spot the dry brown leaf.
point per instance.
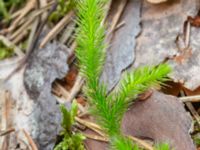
(161, 25)
(194, 21)
(161, 118)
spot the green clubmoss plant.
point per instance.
(70, 139)
(162, 146)
(108, 109)
(64, 6)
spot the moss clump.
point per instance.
(64, 6)
(5, 51)
(70, 140)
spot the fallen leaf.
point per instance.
(161, 24)
(194, 21)
(161, 118)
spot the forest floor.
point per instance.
(38, 71)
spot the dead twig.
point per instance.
(116, 19)
(195, 98)
(2, 133)
(29, 6)
(141, 143)
(76, 88)
(30, 140)
(8, 43)
(95, 137)
(192, 110)
(93, 126)
(5, 121)
(57, 28)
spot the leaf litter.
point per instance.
(140, 33)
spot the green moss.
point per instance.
(5, 52)
(5, 5)
(162, 146)
(70, 140)
(110, 109)
(64, 6)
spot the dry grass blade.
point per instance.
(42, 4)
(88, 123)
(141, 143)
(116, 18)
(30, 140)
(29, 6)
(91, 126)
(95, 128)
(195, 98)
(57, 28)
(2, 133)
(23, 28)
(95, 137)
(60, 90)
(192, 109)
(76, 88)
(10, 44)
(67, 32)
(5, 121)
(32, 34)
(20, 37)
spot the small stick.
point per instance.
(91, 126)
(63, 91)
(24, 27)
(29, 6)
(195, 98)
(31, 48)
(30, 140)
(5, 121)
(187, 34)
(87, 123)
(17, 13)
(76, 88)
(8, 43)
(33, 31)
(2, 133)
(20, 37)
(95, 137)
(141, 143)
(67, 32)
(116, 19)
(192, 109)
(57, 29)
